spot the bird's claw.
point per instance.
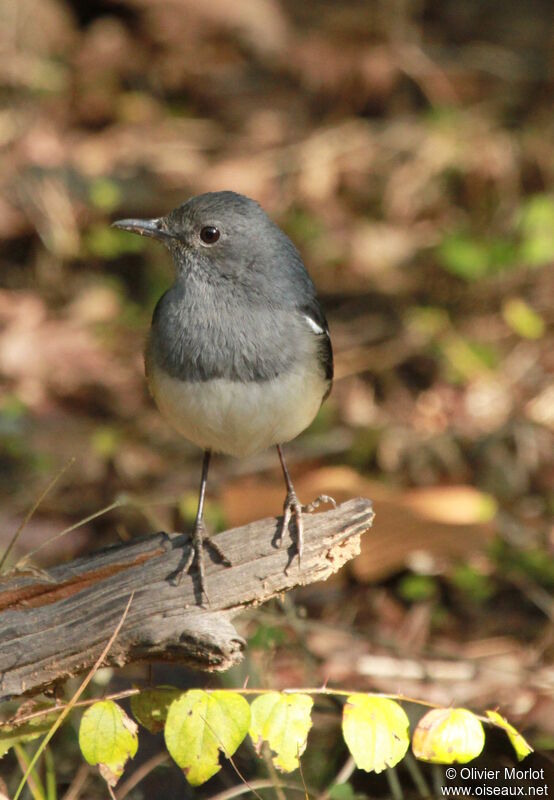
(292, 506)
(200, 540)
(322, 498)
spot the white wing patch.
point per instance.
(317, 329)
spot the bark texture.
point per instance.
(52, 629)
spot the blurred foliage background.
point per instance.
(407, 147)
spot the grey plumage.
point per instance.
(209, 333)
(236, 310)
(239, 356)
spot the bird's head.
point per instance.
(222, 236)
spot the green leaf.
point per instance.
(472, 258)
(283, 721)
(150, 706)
(522, 319)
(448, 736)
(463, 256)
(467, 359)
(108, 737)
(105, 194)
(519, 744)
(472, 582)
(266, 637)
(110, 243)
(536, 225)
(415, 588)
(199, 724)
(537, 213)
(376, 731)
(105, 441)
(13, 734)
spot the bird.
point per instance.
(238, 357)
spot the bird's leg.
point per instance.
(292, 506)
(200, 536)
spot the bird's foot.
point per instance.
(322, 498)
(293, 507)
(200, 540)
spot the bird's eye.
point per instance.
(209, 234)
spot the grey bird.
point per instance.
(239, 356)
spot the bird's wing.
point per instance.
(315, 320)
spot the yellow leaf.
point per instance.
(519, 744)
(376, 731)
(283, 721)
(108, 737)
(522, 319)
(448, 736)
(199, 725)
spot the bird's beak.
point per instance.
(145, 227)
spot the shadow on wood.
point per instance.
(52, 630)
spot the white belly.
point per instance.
(236, 418)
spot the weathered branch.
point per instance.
(51, 630)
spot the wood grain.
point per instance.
(52, 629)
